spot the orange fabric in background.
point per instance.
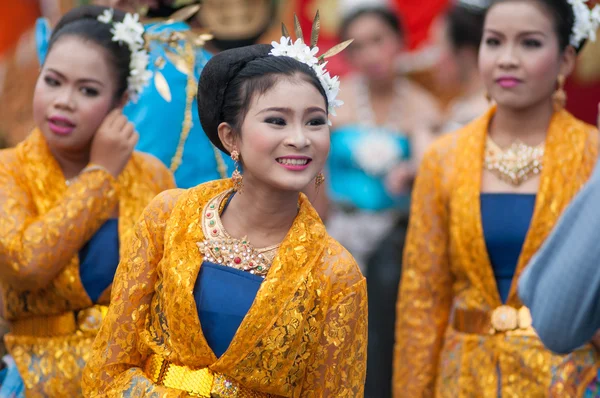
(16, 18)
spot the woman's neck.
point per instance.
(262, 214)
(529, 125)
(71, 163)
(383, 88)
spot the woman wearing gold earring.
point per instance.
(229, 294)
(485, 199)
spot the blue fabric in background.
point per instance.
(349, 183)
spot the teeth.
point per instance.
(293, 162)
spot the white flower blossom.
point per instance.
(130, 32)
(281, 48)
(107, 16)
(586, 22)
(301, 52)
(377, 153)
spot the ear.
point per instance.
(227, 136)
(567, 61)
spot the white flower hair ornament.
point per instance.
(130, 32)
(306, 54)
(586, 22)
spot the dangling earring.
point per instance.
(319, 180)
(236, 176)
(488, 97)
(559, 98)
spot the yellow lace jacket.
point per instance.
(43, 225)
(304, 336)
(446, 267)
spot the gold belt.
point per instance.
(87, 320)
(202, 383)
(503, 319)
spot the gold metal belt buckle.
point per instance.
(506, 318)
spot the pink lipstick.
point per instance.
(508, 82)
(294, 163)
(61, 125)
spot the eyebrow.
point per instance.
(527, 32)
(289, 110)
(88, 80)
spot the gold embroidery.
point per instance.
(446, 268)
(222, 249)
(304, 336)
(43, 225)
(516, 164)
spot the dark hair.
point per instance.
(256, 78)
(232, 78)
(564, 19)
(82, 22)
(384, 14)
(465, 26)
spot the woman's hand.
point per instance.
(114, 142)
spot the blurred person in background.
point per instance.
(69, 195)
(485, 199)
(372, 134)
(18, 66)
(457, 35)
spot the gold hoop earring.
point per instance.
(319, 180)
(559, 98)
(236, 176)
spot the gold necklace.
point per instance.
(220, 248)
(516, 164)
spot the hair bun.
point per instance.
(215, 77)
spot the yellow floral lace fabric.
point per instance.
(304, 336)
(43, 225)
(446, 266)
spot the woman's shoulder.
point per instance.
(339, 265)
(8, 156)
(151, 167)
(9, 161)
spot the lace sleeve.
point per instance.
(339, 360)
(115, 368)
(425, 294)
(35, 248)
(158, 172)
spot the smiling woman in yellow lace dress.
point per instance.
(486, 198)
(234, 288)
(69, 196)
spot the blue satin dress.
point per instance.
(160, 122)
(505, 218)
